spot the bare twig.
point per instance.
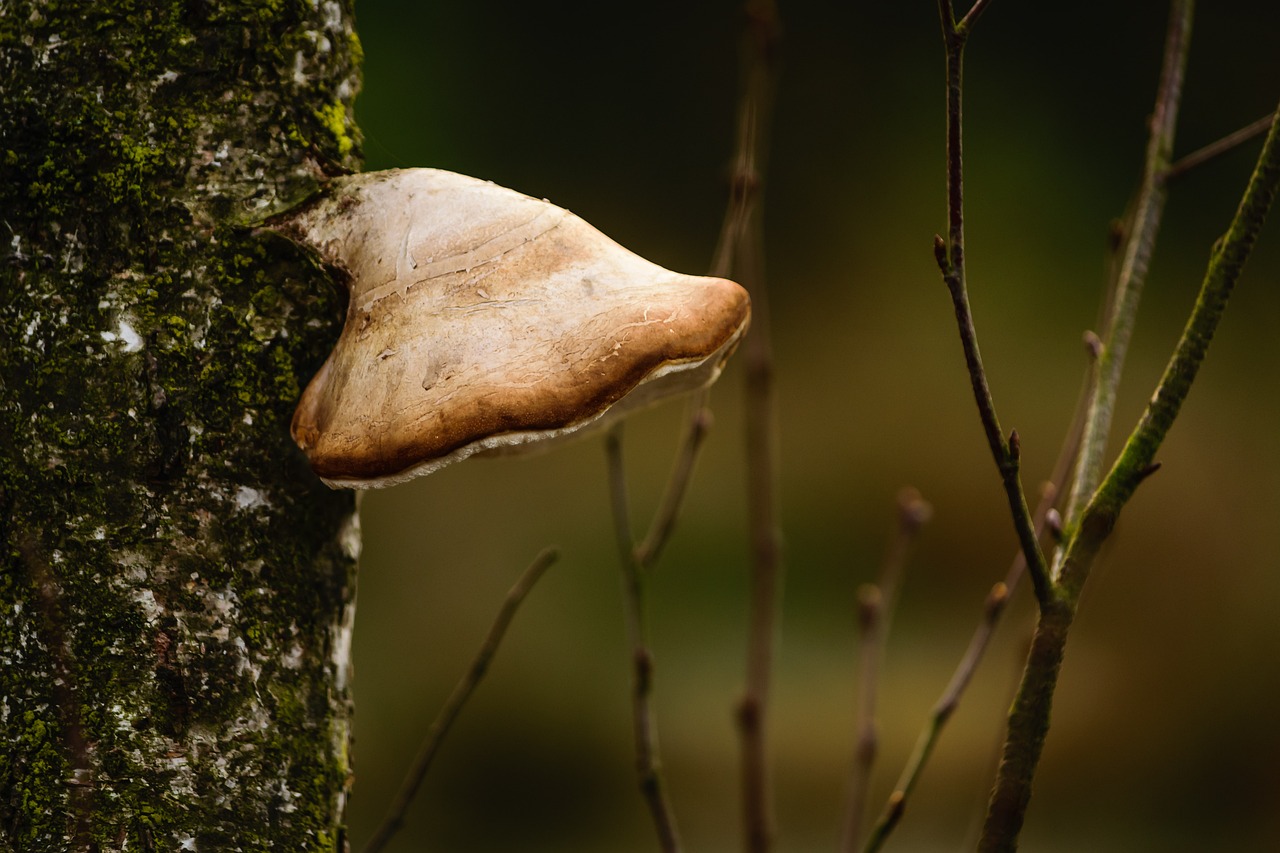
(950, 256)
(453, 706)
(742, 250)
(1137, 459)
(992, 609)
(762, 515)
(1138, 242)
(1216, 149)
(736, 250)
(875, 610)
(648, 765)
(972, 15)
(664, 520)
(1029, 719)
(735, 229)
(736, 253)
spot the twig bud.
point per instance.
(996, 600)
(896, 805)
(940, 253)
(1116, 233)
(869, 604)
(913, 510)
(1093, 344)
(1053, 521)
(1015, 446)
(704, 420)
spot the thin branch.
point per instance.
(739, 240)
(1000, 593)
(1138, 243)
(948, 16)
(461, 693)
(971, 17)
(762, 513)
(875, 610)
(648, 765)
(950, 257)
(1029, 719)
(735, 249)
(745, 254)
(735, 229)
(992, 609)
(664, 519)
(1137, 460)
(1216, 149)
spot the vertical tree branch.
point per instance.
(992, 609)
(745, 254)
(1137, 458)
(876, 604)
(737, 253)
(951, 261)
(664, 519)
(1138, 242)
(1027, 727)
(648, 765)
(1029, 719)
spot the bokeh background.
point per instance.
(1165, 730)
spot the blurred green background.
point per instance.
(1165, 732)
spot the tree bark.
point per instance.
(177, 589)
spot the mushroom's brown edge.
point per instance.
(575, 406)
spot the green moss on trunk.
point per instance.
(177, 588)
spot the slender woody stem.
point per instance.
(646, 736)
(1029, 719)
(1137, 459)
(741, 249)
(664, 519)
(1027, 727)
(992, 609)
(1216, 149)
(762, 514)
(875, 611)
(738, 248)
(453, 706)
(1028, 722)
(950, 257)
(1138, 243)
(972, 15)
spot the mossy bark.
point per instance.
(177, 588)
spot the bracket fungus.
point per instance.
(482, 320)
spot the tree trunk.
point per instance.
(177, 589)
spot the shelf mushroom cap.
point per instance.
(482, 320)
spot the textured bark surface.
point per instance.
(177, 588)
